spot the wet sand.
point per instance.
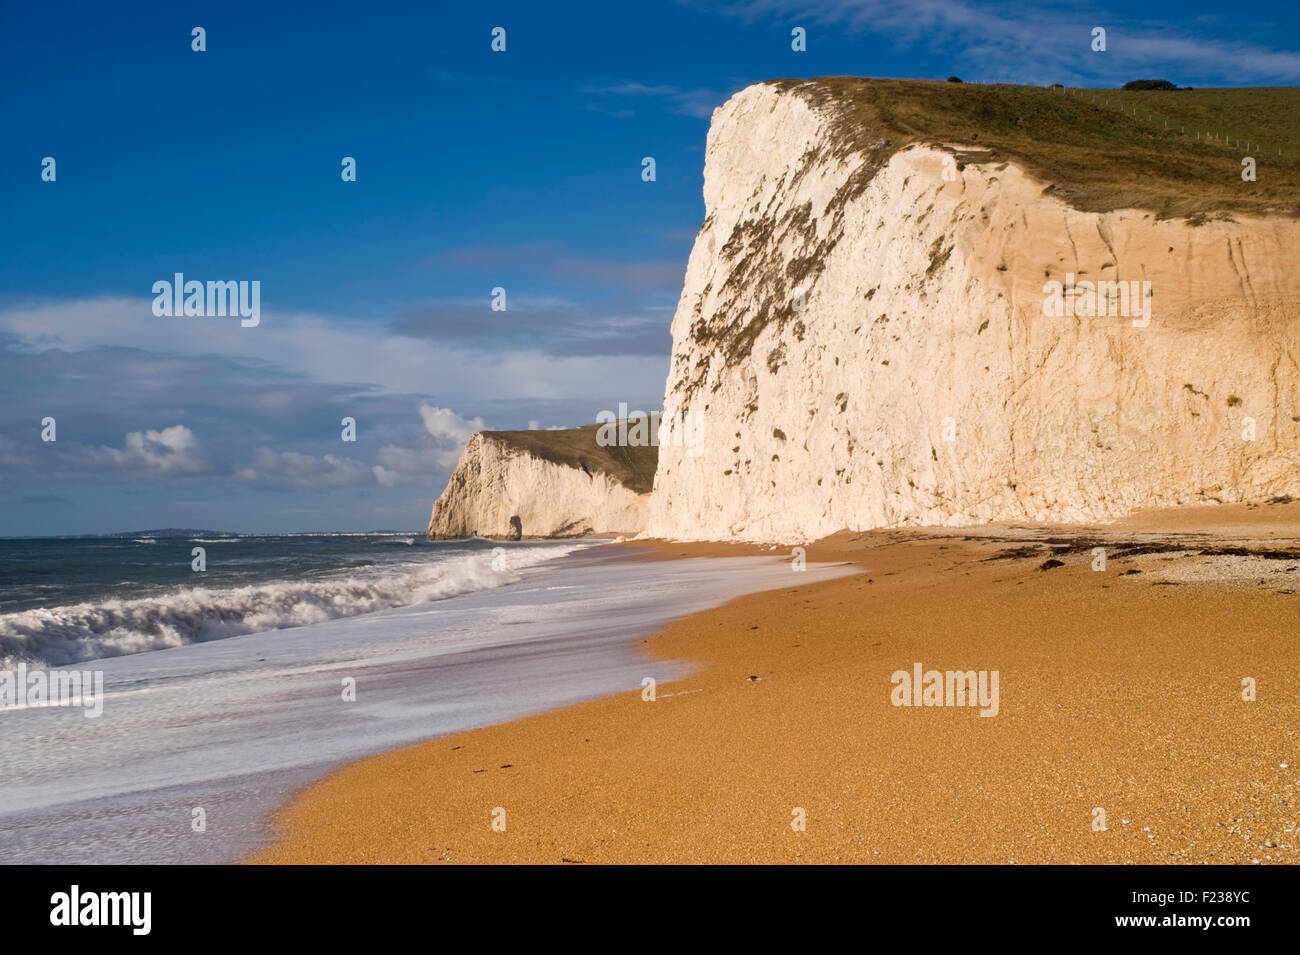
(1119, 690)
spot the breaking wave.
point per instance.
(61, 636)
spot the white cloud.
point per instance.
(290, 469)
(398, 465)
(447, 432)
(445, 435)
(330, 349)
(173, 450)
(176, 451)
(445, 424)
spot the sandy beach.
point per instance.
(1120, 691)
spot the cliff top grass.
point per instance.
(1098, 149)
(633, 467)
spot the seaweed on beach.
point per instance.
(1265, 553)
(1018, 553)
(1139, 549)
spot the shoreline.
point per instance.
(235, 726)
(1121, 690)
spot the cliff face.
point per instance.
(864, 340)
(541, 484)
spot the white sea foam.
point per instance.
(235, 725)
(60, 636)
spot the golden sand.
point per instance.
(1118, 691)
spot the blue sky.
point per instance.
(475, 170)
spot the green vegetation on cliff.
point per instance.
(1173, 152)
(633, 467)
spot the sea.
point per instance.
(68, 600)
(227, 690)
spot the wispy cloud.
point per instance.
(625, 310)
(360, 357)
(622, 112)
(699, 103)
(1002, 42)
(142, 401)
(172, 451)
(553, 260)
(564, 329)
(445, 434)
(292, 469)
(44, 499)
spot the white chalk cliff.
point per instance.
(923, 301)
(500, 489)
